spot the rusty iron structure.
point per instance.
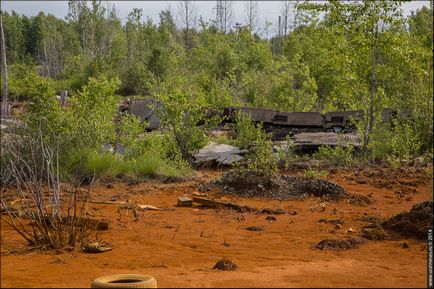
(277, 122)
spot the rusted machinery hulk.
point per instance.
(143, 109)
(280, 123)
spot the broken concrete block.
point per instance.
(185, 202)
(215, 153)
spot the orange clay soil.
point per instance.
(180, 247)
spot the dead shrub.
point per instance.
(43, 214)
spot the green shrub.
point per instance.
(186, 122)
(405, 144)
(261, 159)
(245, 129)
(338, 156)
(287, 155)
(315, 173)
(138, 80)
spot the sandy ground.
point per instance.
(180, 247)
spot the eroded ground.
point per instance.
(180, 247)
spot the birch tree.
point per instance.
(188, 19)
(251, 10)
(5, 105)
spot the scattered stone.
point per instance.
(109, 186)
(333, 222)
(335, 244)
(350, 230)
(359, 200)
(171, 180)
(225, 265)
(255, 229)
(405, 245)
(185, 202)
(338, 226)
(95, 248)
(278, 211)
(271, 218)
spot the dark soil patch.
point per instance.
(335, 244)
(225, 265)
(414, 223)
(280, 187)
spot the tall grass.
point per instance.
(87, 163)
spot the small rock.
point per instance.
(405, 245)
(95, 248)
(109, 186)
(185, 202)
(225, 265)
(271, 218)
(254, 228)
(338, 226)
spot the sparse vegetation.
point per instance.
(315, 173)
(337, 156)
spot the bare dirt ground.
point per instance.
(180, 247)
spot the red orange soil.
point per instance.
(180, 247)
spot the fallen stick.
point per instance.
(106, 202)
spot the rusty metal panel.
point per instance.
(260, 114)
(145, 111)
(342, 117)
(298, 118)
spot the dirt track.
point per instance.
(180, 247)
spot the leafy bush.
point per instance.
(288, 155)
(338, 156)
(245, 129)
(405, 144)
(315, 173)
(93, 111)
(380, 145)
(138, 80)
(261, 159)
(186, 123)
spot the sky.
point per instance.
(268, 10)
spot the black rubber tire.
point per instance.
(134, 281)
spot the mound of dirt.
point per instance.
(225, 265)
(374, 234)
(414, 223)
(252, 184)
(335, 244)
(402, 182)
